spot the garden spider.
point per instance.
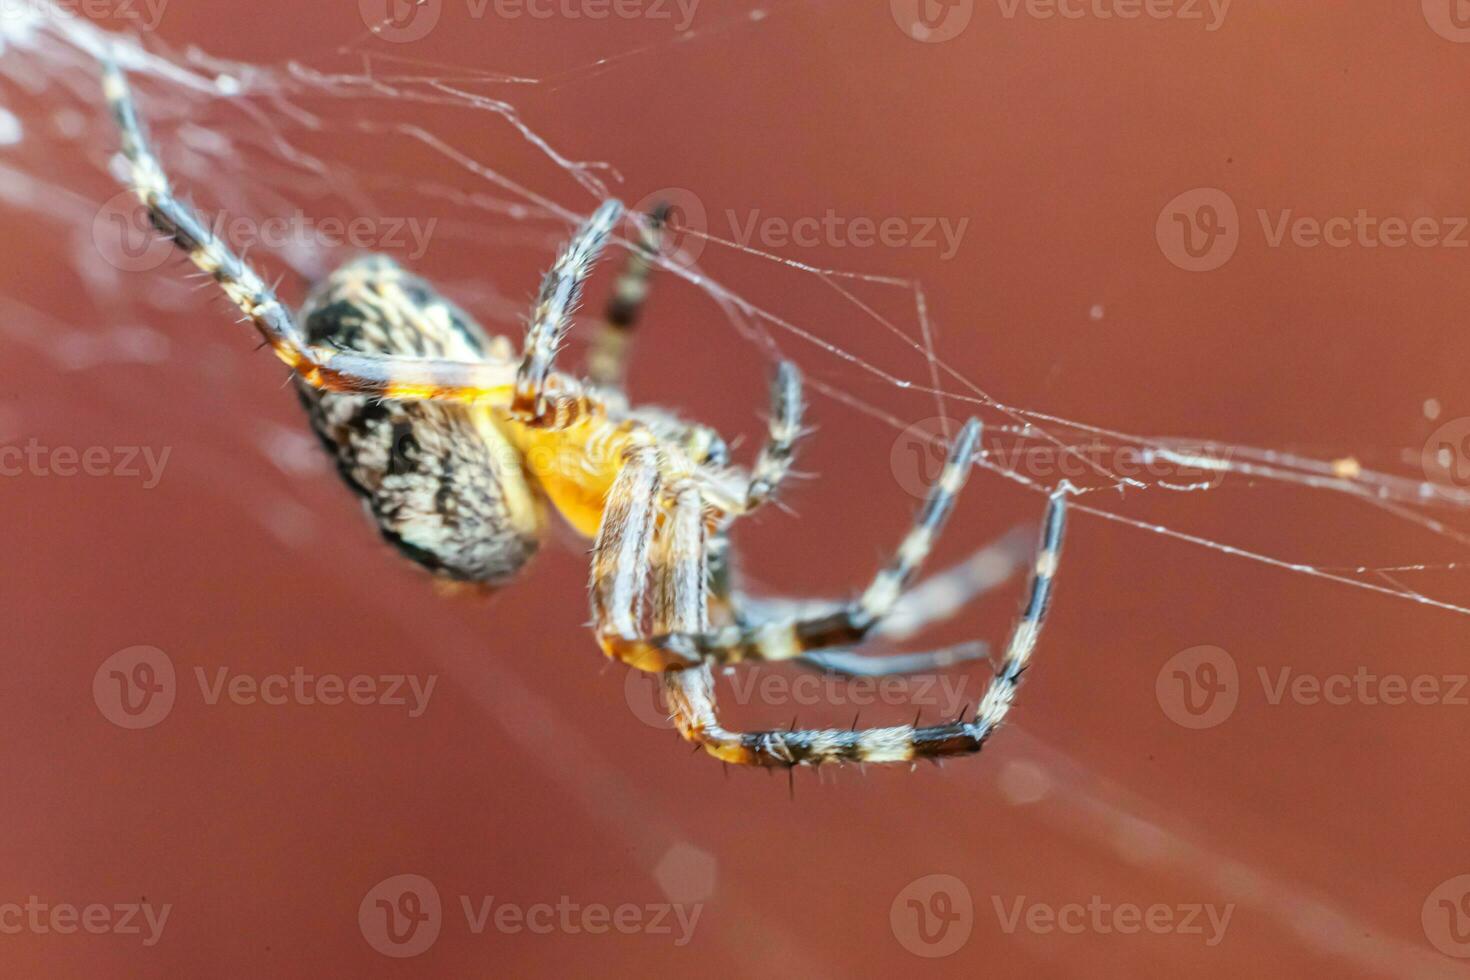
(456, 444)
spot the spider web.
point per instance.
(52, 53)
(272, 113)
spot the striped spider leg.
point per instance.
(460, 487)
(933, 600)
(941, 596)
(527, 389)
(846, 626)
(607, 360)
(685, 647)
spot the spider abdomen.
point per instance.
(441, 481)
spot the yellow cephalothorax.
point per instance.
(574, 467)
(457, 442)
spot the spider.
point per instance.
(457, 445)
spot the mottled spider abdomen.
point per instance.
(440, 479)
(398, 384)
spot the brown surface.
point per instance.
(529, 777)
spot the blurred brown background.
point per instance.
(533, 774)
